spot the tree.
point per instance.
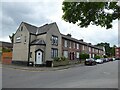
(113, 50)
(86, 13)
(109, 51)
(6, 50)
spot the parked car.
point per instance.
(90, 61)
(113, 59)
(107, 59)
(104, 60)
(117, 58)
(99, 61)
(110, 59)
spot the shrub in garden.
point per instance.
(63, 58)
(97, 57)
(56, 59)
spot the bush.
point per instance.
(63, 58)
(56, 59)
(60, 61)
(97, 57)
(84, 56)
(60, 58)
(6, 50)
(105, 56)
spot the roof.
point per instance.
(45, 28)
(38, 30)
(78, 41)
(6, 44)
(38, 42)
(73, 39)
(31, 28)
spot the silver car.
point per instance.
(99, 61)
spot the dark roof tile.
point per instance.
(31, 28)
(38, 30)
(78, 41)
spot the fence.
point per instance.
(6, 57)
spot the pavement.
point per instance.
(29, 68)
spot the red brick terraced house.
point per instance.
(71, 48)
(117, 52)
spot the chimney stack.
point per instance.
(69, 35)
(81, 40)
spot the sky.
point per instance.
(40, 12)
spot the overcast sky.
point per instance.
(40, 12)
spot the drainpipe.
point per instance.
(29, 49)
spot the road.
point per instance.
(98, 76)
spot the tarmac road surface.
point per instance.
(98, 76)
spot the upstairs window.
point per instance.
(54, 40)
(65, 43)
(70, 44)
(89, 49)
(117, 50)
(25, 40)
(18, 39)
(83, 47)
(21, 28)
(77, 46)
(73, 45)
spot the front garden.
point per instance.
(60, 61)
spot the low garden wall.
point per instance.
(60, 63)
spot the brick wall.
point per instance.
(6, 58)
(117, 52)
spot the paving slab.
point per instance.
(29, 68)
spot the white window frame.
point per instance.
(70, 44)
(117, 53)
(54, 40)
(89, 49)
(74, 45)
(77, 46)
(77, 54)
(65, 43)
(18, 39)
(65, 54)
(83, 47)
(92, 49)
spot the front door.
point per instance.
(71, 55)
(38, 57)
